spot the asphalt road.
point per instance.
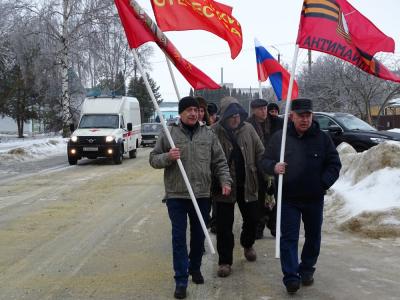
(99, 231)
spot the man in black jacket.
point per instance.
(311, 165)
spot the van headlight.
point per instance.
(74, 138)
(378, 140)
(109, 138)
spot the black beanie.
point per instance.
(186, 102)
(272, 106)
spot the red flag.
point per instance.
(139, 29)
(337, 28)
(205, 15)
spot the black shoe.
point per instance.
(180, 292)
(197, 277)
(292, 287)
(307, 280)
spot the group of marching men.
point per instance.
(232, 159)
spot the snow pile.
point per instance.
(31, 148)
(366, 198)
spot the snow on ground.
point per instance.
(366, 197)
(30, 148)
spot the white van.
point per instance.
(108, 127)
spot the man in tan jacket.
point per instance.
(201, 154)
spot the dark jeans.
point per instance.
(225, 219)
(179, 210)
(311, 212)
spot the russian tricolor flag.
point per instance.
(267, 66)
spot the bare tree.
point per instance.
(339, 86)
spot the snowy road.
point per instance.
(100, 231)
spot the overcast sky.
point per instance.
(273, 23)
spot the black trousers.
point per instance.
(225, 220)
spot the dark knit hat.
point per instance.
(302, 105)
(272, 106)
(212, 108)
(258, 103)
(186, 102)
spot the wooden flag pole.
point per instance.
(282, 154)
(171, 142)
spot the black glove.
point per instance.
(271, 189)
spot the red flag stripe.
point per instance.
(139, 29)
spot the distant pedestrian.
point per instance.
(203, 113)
(201, 155)
(212, 109)
(311, 165)
(276, 122)
(243, 150)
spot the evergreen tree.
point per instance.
(137, 88)
(119, 85)
(19, 95)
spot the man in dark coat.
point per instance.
(260, 121)
(276, 122)
(311, 165)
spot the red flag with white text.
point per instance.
(205, 15)
(139, 29)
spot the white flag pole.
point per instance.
(282, 154)
(171, 142)
(173, 77)
(260, 89)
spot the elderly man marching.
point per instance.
(243, 150)
(201, 154)
(311, 165)
(261, 123)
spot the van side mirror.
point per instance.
(335, 129)
(129, 125)
(72, 127)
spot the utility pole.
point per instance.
(279, 54)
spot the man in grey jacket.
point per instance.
(200, 153)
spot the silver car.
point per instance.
(150, 132)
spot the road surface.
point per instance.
(99, 231)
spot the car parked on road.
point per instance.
(344, 127)
(150, 133)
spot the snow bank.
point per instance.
(366, 198)
(12, 149)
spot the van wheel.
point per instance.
(132, 153)
(118, 157)
(72, 160)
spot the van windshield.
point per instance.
(99, 121)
